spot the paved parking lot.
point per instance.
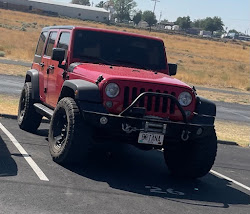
(118, 179)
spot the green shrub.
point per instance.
(2, 54)
(23, 29)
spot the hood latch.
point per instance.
(99, 79)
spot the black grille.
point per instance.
(151, 103)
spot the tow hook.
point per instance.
(185, 135)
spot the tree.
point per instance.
(149, 17)
(82, 2)
(218, 23)
(100, 4)
(233, 31)
(123, 8)
(209, 24)
(164, 21)
(137, 17)
(183, 22)
(197, 23)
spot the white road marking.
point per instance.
(227, 178)
(230, 179)
(26, 156)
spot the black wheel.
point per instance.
(69, 136)
(191, 159)
(28, 119)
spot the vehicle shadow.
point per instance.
(144, 172)
(8, 166)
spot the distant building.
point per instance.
(205, 33)
(143, 24)
(57, 8)
(244, 37)
(176, 27)
(193, 31)
(165, 25)
(230, 36)
(168, 28)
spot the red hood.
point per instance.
(93, 71)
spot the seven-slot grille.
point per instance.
(153, 104)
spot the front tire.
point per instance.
(191, 159)
(69, 136)
(28, 119)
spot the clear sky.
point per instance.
(234, 13)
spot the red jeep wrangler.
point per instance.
(97, 85)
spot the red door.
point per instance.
(55, 76)
(48, 70)
(38, 63)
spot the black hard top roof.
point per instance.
(70, 27)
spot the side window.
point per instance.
(41, 42)
(50, 43)
(64, 41)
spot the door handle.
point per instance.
(41, 64)
(51, 67)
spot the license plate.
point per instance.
(151, 138)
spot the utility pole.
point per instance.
(160, 17)
(155, 5)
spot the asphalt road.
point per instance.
(12, 85)
(118, 180)
(15, 62)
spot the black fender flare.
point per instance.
(83, 90)
(32, 76)
(205, 107)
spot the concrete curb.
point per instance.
(14, 117)
(227, 143)
(9, 116)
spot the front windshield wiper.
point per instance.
(137, 65)
(104, 61)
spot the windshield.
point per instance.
(118, 49)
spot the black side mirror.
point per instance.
(172, 69)
(58, 54)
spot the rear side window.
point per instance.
(64, 42)
(41, 42)
(50, 43)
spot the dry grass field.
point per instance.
(200, 61)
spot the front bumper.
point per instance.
(126, 126)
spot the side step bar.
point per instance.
(43, 110)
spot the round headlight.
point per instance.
(185, 98)
(112, 90)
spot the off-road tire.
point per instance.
(28, 119)
(69, 136)
(191, 159)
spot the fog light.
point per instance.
(109, 104)
(199, 131)
(188, 113)
(104, 120)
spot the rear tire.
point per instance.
(191, 159)
(69, 136)
(28, 119)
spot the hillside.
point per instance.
(201, 62)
